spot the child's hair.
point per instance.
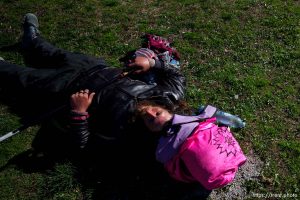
(181, 107)
(140, 105)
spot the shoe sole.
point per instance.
(31, 20)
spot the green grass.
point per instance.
(247, 48)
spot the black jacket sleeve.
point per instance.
(79, 128)
(170, 81)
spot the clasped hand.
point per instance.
(141, 64)
(80, 101)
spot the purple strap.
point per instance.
(181, 128)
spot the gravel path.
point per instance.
(250, 171)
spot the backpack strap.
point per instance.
(206, 113)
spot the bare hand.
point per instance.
(80, 101)
(142, 65)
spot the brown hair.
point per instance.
(140, 105)
(181, 107)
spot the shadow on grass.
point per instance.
(11, 48)
(29, 162)
(103, 170)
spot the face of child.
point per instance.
(155, 117)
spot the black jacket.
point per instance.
(115, 99)
(56, 73)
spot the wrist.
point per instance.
(78, 112)
(151, 62)
(76, 115)
(157, 64)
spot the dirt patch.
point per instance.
(250, 171)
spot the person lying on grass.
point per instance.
(54, 74)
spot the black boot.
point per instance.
(30, 30)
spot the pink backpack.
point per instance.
(210, 156)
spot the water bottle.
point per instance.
(229, 120)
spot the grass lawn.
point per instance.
(240, 56)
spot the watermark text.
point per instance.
(274, 195)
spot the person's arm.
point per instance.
(169, 79)
(140, 64)
(80, 101)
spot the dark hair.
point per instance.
(180, 108)
(143, 103)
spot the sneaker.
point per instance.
(30, 30)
